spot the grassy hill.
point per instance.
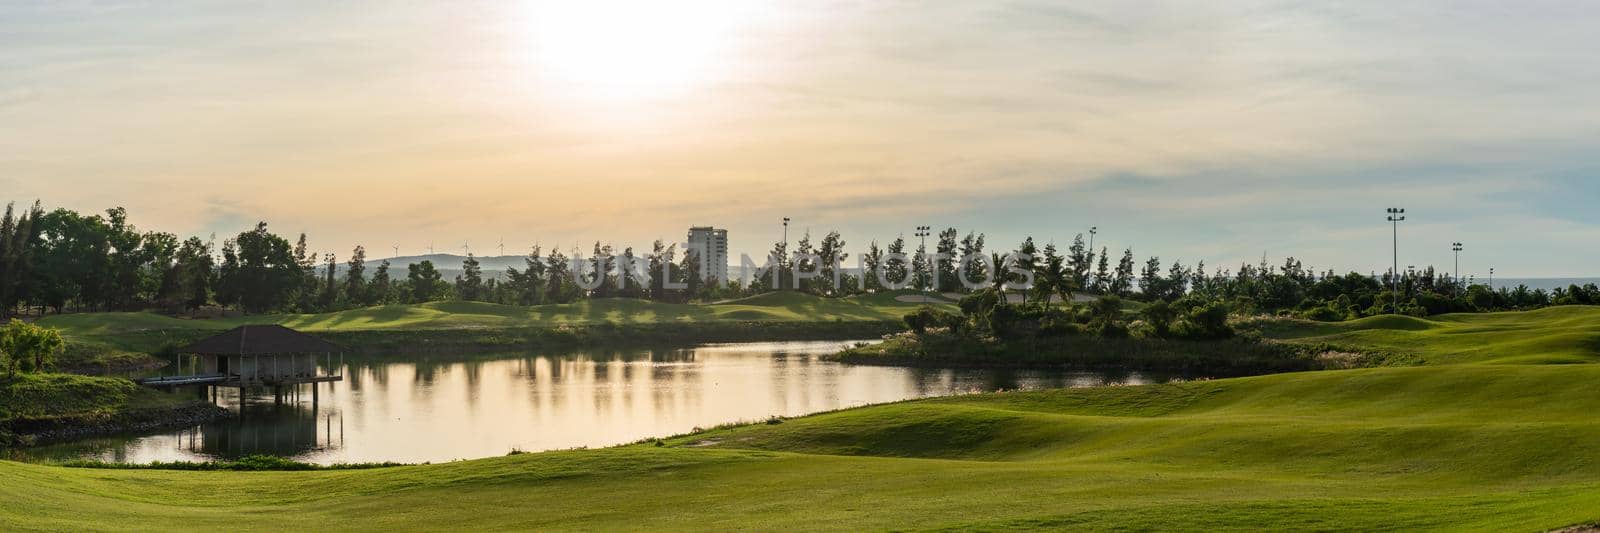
(64, 405)
(781, 306)
(1458, 447)
(121, 339)
(1565, 334)
(1485, 437)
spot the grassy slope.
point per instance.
(122, 339)
(55, 395)
(1465, 446)
(1567, 334)
(1480, 446)
(785, 306)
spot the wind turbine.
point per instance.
(397, 250)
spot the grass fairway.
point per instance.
(770, 307)
(125, 339)
(1494, 443)
(1566, 334)
(1464, 446)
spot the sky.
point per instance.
(1193, 131)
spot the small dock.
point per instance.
(255, 356)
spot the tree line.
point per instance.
(61, 260)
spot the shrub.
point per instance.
(1159, 315)
(926, 317)
(1208, 322)
(28, 347)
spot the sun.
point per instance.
(632, 48)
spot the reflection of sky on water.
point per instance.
(439, 410)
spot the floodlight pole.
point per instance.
(1395, 216)
(785, 250)
(1089, 279)
(922, 233)
(1456, 247)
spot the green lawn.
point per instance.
(781, 306)
(1497, 443)
(1567, 334)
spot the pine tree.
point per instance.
(1150, 283)
(871, 265)
(975, 264)
(355, 281)
(1079, 262)
(379, 288)
(947, 265)
(832, 255)
(1102, 275)
(330, 291)
(898, 270)
(1122, 286)
(469, 285)
(1052, 276)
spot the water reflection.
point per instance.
(441, 409)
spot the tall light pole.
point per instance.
(922, 234)
(1456, 247)
(1089, 279)
(781, 260)
(1395, 216)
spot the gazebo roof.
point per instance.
(260, 340)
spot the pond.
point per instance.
(433, 410)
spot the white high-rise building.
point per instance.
(712, 244)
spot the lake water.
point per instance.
(442, 409)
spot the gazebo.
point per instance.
(264, 355)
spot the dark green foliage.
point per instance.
(424, 280)
(250, 463)
(28, 348)
(927, 317)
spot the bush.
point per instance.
(1159, 315)
(1208, 322)
(29, 348)
(926, 317)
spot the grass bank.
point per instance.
(1209, 358)
(1459, 447)
(100, 341)
(40, 408)
(1482, 439)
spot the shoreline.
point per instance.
(31, 432)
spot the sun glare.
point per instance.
(632, 48)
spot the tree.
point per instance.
(871, 265)
(355, 280)
(379, 289)
(265, 275)
(19, 235)
(1079, 261)
(975, 265)
(425, 281)
(28, 347)
(558, 272)
(897, 268)
(1053, 278)
(946, 265)
(661, 257)
(692, 277)
(469, 285)
(1151, 286)
(195, 270)
(1159, 315)
(1122, 285)
(832, 254)
(524, 287)
(1102, 275)
(330, 291)
(921, 270)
